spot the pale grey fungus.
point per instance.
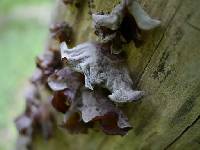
(98, 69)
(95, 105)
(143, 20)
(111, 21)
(115, 18)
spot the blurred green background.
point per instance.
(23, 31)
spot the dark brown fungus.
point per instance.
(59, 102)
(130, 31)
(62, 32)
(82, 108)
(96, 107)
(74, 124)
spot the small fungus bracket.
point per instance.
(123, 24)
(94, 78)
(98, 69)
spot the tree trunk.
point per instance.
(166, 67)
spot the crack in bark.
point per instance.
(182, 133)
(193, 26)
(159, 42)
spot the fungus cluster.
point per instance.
(38, 116)
(92, 77)
(123, 24)
(96, 76)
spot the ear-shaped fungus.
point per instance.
(96, 107)
(87, 91)
(143, 20)
(111, 21)
(98, 69)
(66, 85)
(83, 108)
(114, 19)
(128, 19)
(65, 79)
(62, 32)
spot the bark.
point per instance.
(166, 67)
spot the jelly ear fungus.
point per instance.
(98, 69)
(95, 78)
(123, 24)
(82, 107)
(104, 68)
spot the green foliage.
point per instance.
(20, 42)
(7, 5)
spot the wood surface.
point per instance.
(166, 67)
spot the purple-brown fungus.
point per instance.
(83, 108)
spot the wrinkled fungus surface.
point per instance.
(123, 24)
(90, 81)
(101, 70)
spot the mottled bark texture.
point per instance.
(166, 67)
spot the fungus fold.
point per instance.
(98, 69)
